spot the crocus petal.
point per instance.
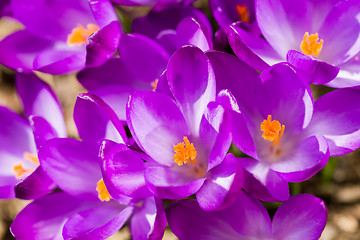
(190, 69)
(348, 76)
(311, 69)
(225, 12)
(223, 182)
(156, 124)
(279, 26)
(262, 182)
(39, 100)
(16, 138)
(307, 154)
(168, 183)
(53, 20)
(341, 33)
(336, 117)
(123, 172)
(191, 32)
(235, 75)
(145, 58)
(148, 222)
(163, 85)
(45, 217)
(7, 184)
(18, 50)
(229, 223)
(113, 72)
(73, 165)
(56, 61)
(102, 44)
(135, 2)
(42, 130)
(252, 49)
(155, 22)
(91, 112)
(103, 12)
(288, 98)
(99, 222)
(36, 185)
(303, 216)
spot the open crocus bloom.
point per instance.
(282, 117)
(323, 37)
(60, 36)
(303, 216)
(186, 138)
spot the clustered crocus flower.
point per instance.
(168, 107)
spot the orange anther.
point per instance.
(79, 34)
(272, 130)
(103, 193)
(243, 12)
(310, 45)
(184, 152)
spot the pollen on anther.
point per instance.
(243, 12)
(184, 152)
(272, 130)
(79, 34)
(20, 171)
(154, 84)
(103, 193)
(310, 44)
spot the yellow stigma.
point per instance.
(243, 12)
(19, 170)
(310, 45)
(79, 35)
(272, 130)
(184, 152)
(103, 193)
(32, 158)
(154, 84)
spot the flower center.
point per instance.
(243, 12)
(184, 153)
(103, 193)
(154, 84)
(20, 170)
(310, 44)
(272, 130)
(79, 34)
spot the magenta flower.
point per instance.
(61, 36)
(292, 137)
(186, 134)
(20, 141)
(303, 216)
(323, 38)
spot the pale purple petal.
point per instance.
(149, 221)
(192, 82)
(103, 12)
(99, 222)
(42, 130)
(44, 218)
(73, 166)
(348, 76)
(91, 112)
(336, 116)
(39, 100)
(303, 216)
(222, 185)
(156, 124)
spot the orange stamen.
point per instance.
(154, 84)
(103, 193)
(310, 45)
(32, 158)
(79, 34)
(19, 171)
(184, 152)
(272, 130)
(243, 12)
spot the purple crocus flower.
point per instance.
(186, 138)
(292, 137)
(20, 164)
(317, 38)
(58, 36)
(86, 209)
(303, 216)
(164, 26)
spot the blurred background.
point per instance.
(338, 184)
